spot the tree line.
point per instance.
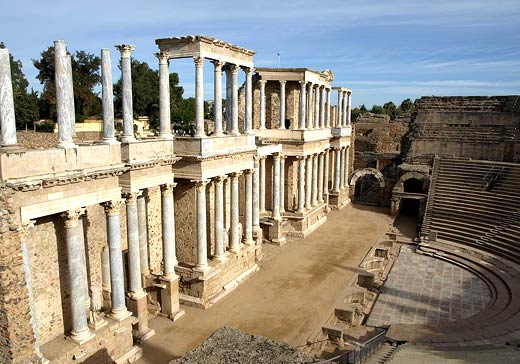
(407, 106)
(31, 105)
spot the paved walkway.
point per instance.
(292, 294)
(424, 290)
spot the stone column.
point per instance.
(80, 331)
(199, 97)
(119, 311)
(317, 107)
(107, 97)
(308, 182)
(301, 183)
(337, 162)
(346, 164)
(234, 100)
(105, 268)
(342, 169)
(219, 218)
(282, 184)
(82, 254)
(7, 118)
(217, 91)
(262, 104)
(165, 129)
(132, 234)
(248, 215)
(202, 240)
(314, 180)
(303, 89)
(320, 177)
(128, 109)
(322, 106)
(276, 187)
(327, 112)
(309, 107)
(349, 107)
(344, 111)
(228, 99)
(168, 230)
(256, 197)
(282, 105)
(326, 177)
(234, 245)
(248, 123)
(261, 191)
(64, 96)
(339, 109)
(142, 221)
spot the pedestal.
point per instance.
(170, 298)
(138, 305)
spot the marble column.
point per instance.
(317, 107)
(276, 187)
(168, 230)
(262, 104)
(234, 100)
(322, 107)
(202, 239)
(217, 92)
(105, 268)
(109, 135)
(199, 97)
(248, 122)
(344, 111)
(142, 221)
(314, 180)
(128, 109)
(165, 128)
(346, 165)
(7, 118)
(80, 330)
(132, 233)
(261, 192)
(339, 110)
(337, 162)
(118, 311)
(234, 245)
(256, 196)
(219, 218)
(248, 215)
(228, 99)
(342, 168)
(349, 107)
(327, 112)
(64, 96)
(326, 177)
(82, 254)
(301, 183)
(282, 184)
(308, 181)
(281, 124)
(310, 99)
(303, 108)
(320, 177)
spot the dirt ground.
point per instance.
(292, 294)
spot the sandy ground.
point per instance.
(292, 294)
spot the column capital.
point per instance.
(200, 185)
(125, 49)
(131, 197)
(262, 82)
(303, 83)
(248, 70)
(219, 180)
(234, 69)
(249, 171)
(282, 82)
(71, 217)
(113, 207)
(167, 189)
(218, 65)
(235, 175)
(277, 156)
(199, 61)
(300, 157)
(321, 86)
(163, 57)
(317, 86)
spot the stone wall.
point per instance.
(186, 222)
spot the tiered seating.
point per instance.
(463, 103)
(460, 210)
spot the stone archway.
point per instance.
(399, 192)
(359, 173)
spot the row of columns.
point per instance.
(278, 185)
(343, 114)
(312, 180)
(341, 169)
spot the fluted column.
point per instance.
(234, 245)
(256, 194)
(344, 112)
(282, 105)
(262, 104)
(262, 185)
(118, 311)
(168, 230)
(301, 183)
(303, 99)
(327, 115)
(276, 187)
(337, 162)
(80, 331)
(132, 234)
(107, 97)
(248, 122)
(165, 129)
(143, 234)
(248, 215)
(310, 99)
(322, 107)
(217, 91)
(342, 168)
(317, 107)
(199, 97)
(234, 100)
(202, 238)
(314, 180)
(320, 177)
(64, 97)
(7, 118)
(128, 109)
(308, 182)
(349, 107)
(339, 118)
(326, 176)
(219, 217)
(282, 184)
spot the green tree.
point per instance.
(406, 106)
(390, 109)
(85, 75)
(363, 108)
(377, 109)
(25, 103)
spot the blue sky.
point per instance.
(382, 50)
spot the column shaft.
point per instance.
(132, 234)
(344, 112)
(248, 215)
(7, 116)
(108, 97)
(303, 99)
(64, 96)
(309, 107)
(219, 217)
(228, 99)
(276, 187)
(128, 109)
(234, 100)
(301, 183)
(202, 240)
(282, 184)
(248, 122)
(235, 233)
(281, 124)
(256, 192)
(199, 97)
(308, 181)
(322, 107)
(217, 91)
(326, 176)
(314, 180)
(339, 110)
(165, 131)
(168, 230)
(349, 107)
(327, 117)
(142, 220)
(262, 104)
(317, 107)
(320, 178)
(345, 178)
(337, 162)
(342, 169)
(262, 185)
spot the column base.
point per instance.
(120, 315)
(128, 139)
(11, 148)
(248, 242)
(66, 145)
(170, 297)
(111, 141)
(81, 337)
(167, 136)
(221, 258)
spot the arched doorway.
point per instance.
(411, 206)
(368, 185)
